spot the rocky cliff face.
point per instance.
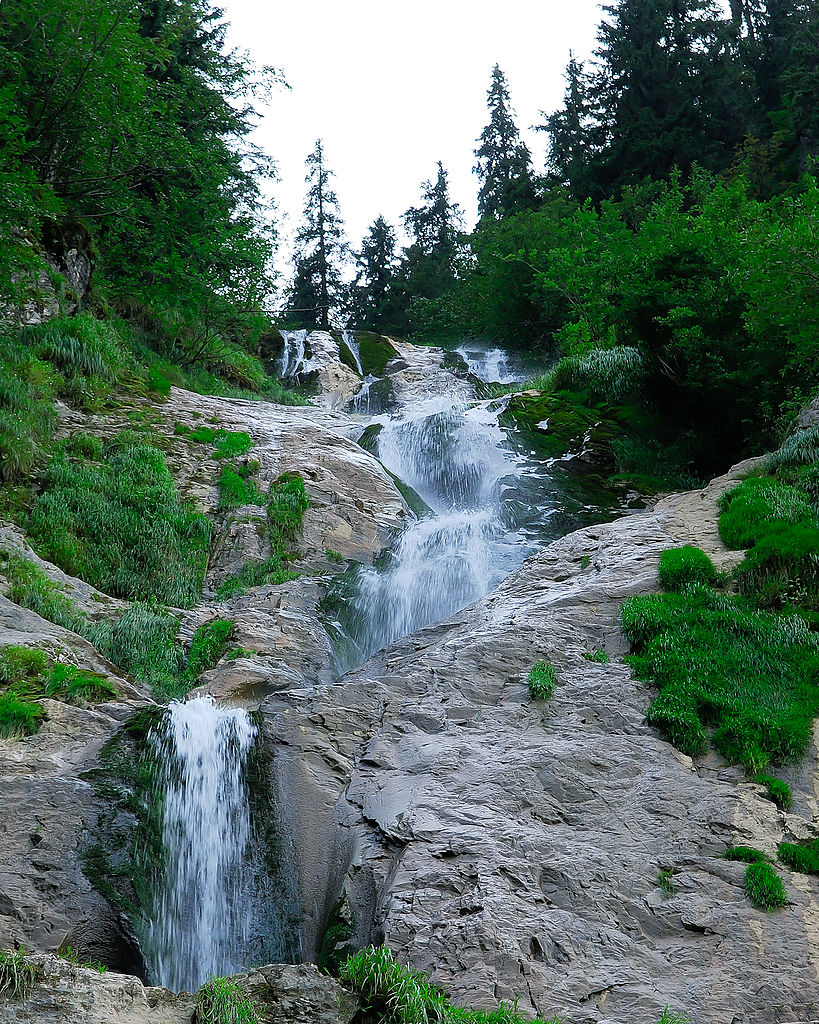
(514, 849)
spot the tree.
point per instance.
(571, 138)
(317, 288)
(504, 164)
(377, 297)
(428, 267)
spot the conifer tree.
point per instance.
(504, 164)
(317, 289)
(428, 268)
(376, 297)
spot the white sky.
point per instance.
(394, 87)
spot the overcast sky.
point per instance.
(394, 87)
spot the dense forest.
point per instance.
(675, 222)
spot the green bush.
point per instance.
(764, 887)
(67, 683)
(286, 505)
(22, 666)
(745, 854)
(800, 449)
(222, 1001)
(143, 643)
(748, 511)
(30, 587)
(778, 790)
(751, 676)
(803, 857)
(228, 444)
(541, 681)
(235, 490)
(611, 374)
(394, 994)
(16, 974)
(120, 526)
(680, 567)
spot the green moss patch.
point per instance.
(375, 351)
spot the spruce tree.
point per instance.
(504, 164)
(428, 267)
(317, 288)
(376, 296)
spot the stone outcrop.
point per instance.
(514, 849)
(66, 993)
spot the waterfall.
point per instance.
(453, 454)
(351, 342)
(202, 920)
(491, 365)
(293, 353)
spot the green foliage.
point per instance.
(208, 647)
(235, 490)
(599, 656)
(65, 952)
(27, 410)
(334, 556)
(778, 790)
(286, 505)
(74, 685)
(613, 374)
(665, 880)
(19, 716)
(395, 994)
(121, 526)
(748, 512)
(745, 854)
(764, 887)
(143, 642)
(21, 665)
(803, 857)
(751, 676)
(541, 680)
(30, 587)
(254, 574)
(222, 1001)
(228, 444)
(800, 449)
(16, 974)
(681, 567)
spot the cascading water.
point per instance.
(490, 365)
(352, 344)
(452, 452)
(293, 354)
(202, 922)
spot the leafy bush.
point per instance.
(803, 857)
(395, 994)
(748, 511)
(751, 676)
(745, 854)
(764, 887)
(222, 1001)
(16, 973)
(120, 526)
(611, 374)
(680, 567)
(542, 680)
(778, 790)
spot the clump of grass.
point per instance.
(391, 992)
(222, 1001)
(747, 512)
(752, 677)
(610, 374)
(665, 880)
(227, 444)
(74, 685)
(599, 656)
(16, 974)
(334, 556)
(802, 857)
(30, 587)
(19, 715)
(236, 489)
(777, 789)
(764, 887)
(800, 449)
(255, 574)
(286, 505)
(209, 645)
(143, 642)
(541, 681)
(681, 567)
(22, 666)
(120, 525)
(65, 952)
(744, 854)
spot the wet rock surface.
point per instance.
(514, 849)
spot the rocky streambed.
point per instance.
(511, 849)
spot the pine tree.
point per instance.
(504, 164)
(428, 267)
(376, 296)
(317, 288)
(571, 134)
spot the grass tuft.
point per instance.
(209, 645)
(16, 974)
(803, 857)
(745, 854)
(777, 790)
(764, 887)
(682, 567)
(541, 681)
(222, 1001)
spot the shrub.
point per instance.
(389, 991)
(609, 374)
(255, 574)
(16, 973)
(748, 511)
(67, 683)
(222, 1001)
(286, 505)
(30, 587)
(235, 490)
(120, 526)
(764, 887)
(778, 790)
(745, 854)
(542, 680)
(681, 567)
(803, 857)
(143, 642)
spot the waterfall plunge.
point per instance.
(202, 920)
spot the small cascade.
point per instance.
(351, 342)
(202, 920)
(490, 365)
(293, 354)
(362, 401)
(453, 454)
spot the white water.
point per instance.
(202, 920)
(491, 365)
(454, 455)
(352, 344)
(292, 361)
